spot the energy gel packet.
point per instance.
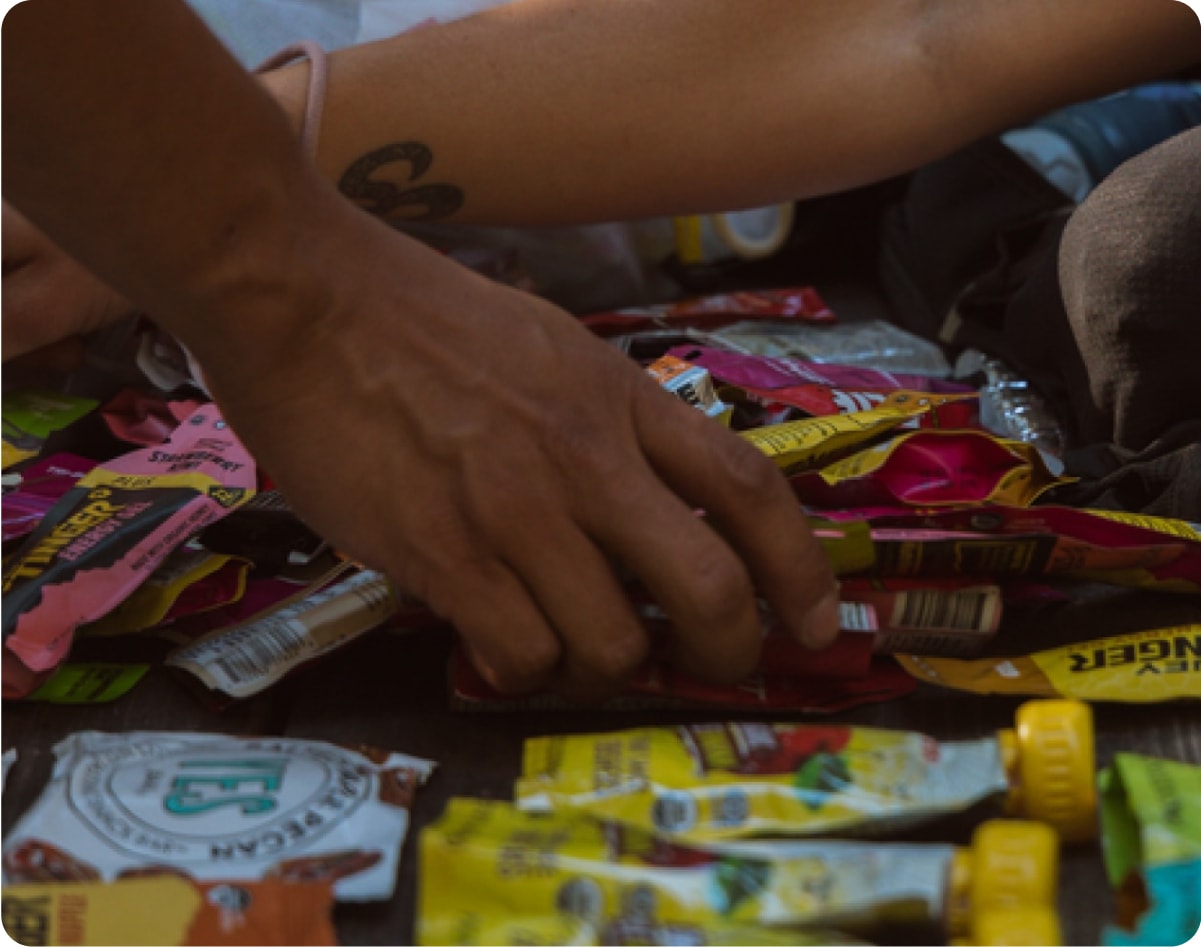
(42, 485)
(1138, 668)
(823, 400)
(144, 418)
(260, 596)
(625, 882)
(661, 686)
(848, 656)
(112, 530)
(248, 658)
(31, 416)
(1006, 542)
(218, 808)
(954, 617)
(1151, 838)
(771, 372)
(797, 446)
(691, 384)
(931, 468)
(168, 910)
(190, 568)
(796, 303)
(875, 343)
(90, 683)
(699, 783)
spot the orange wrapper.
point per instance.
(170, 910)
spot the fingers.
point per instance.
(692, 573)
(604, 642)
(745, 495)
(508, 638)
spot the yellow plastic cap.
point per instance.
(1028, 925)
(1051, 762)
(1010, 864)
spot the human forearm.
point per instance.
(106, 181)
(549, 111)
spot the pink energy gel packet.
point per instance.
(112, 529)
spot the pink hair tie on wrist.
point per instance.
(315, 98)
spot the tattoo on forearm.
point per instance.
(394, 201)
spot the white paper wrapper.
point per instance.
(217, 807)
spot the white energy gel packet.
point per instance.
(216, 807)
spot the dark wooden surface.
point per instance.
(389, 689)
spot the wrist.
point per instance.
(288, 86)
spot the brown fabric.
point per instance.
(1130, 274)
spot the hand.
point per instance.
(48, 298)
(494, 458)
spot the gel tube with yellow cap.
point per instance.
(700, 783)
(1026, 925)
(626, 884)
(1142, 667)
(1151, 825)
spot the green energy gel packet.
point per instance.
(1151, 835)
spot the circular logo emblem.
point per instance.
(218, 801)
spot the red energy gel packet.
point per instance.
(661, 686)
(143, 418)
(823, 400)
(798, 303)
(112, 529)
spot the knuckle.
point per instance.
(619, 656)
(720, 585)
(523, 666)
(750, 472)
(581, 449)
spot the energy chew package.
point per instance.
(1151, 823)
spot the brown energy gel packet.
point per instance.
(999, 541)
(218, 808)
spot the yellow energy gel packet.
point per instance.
(811, 442)
(626, 886)
(699, 783)
(1143, 667)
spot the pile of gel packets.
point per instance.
(933, 491)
